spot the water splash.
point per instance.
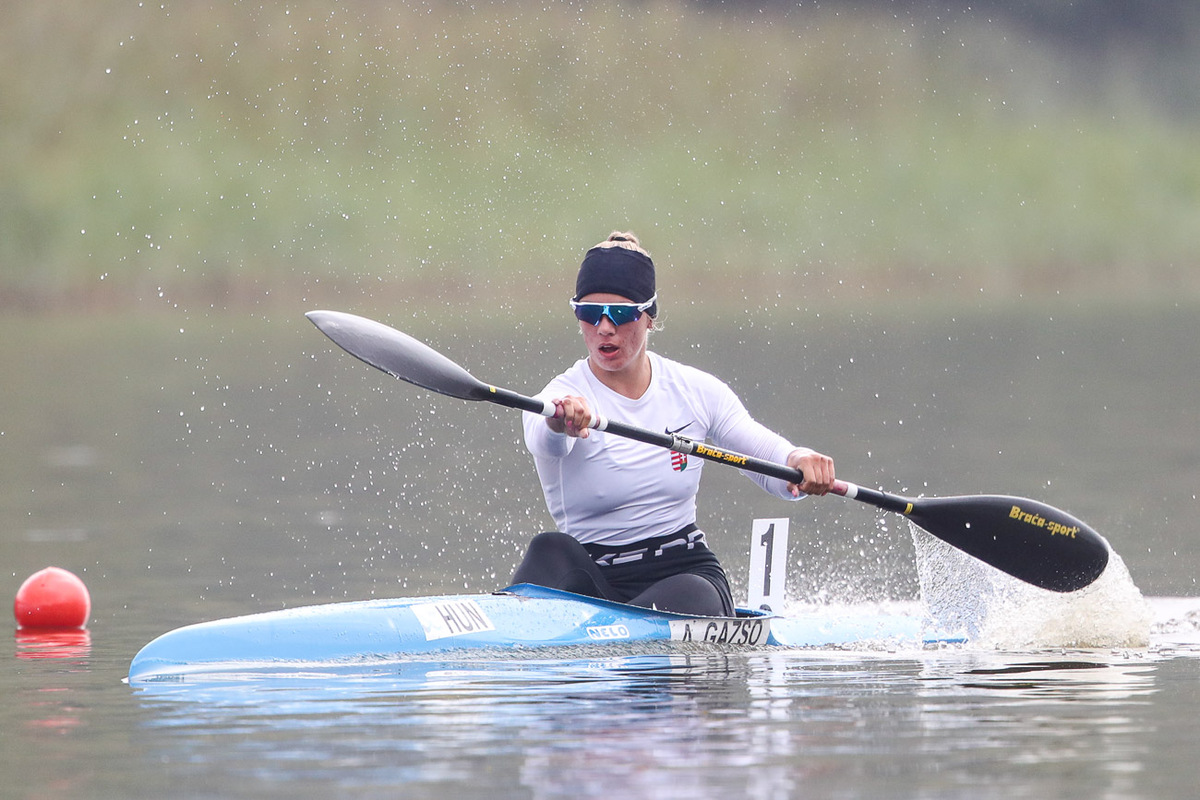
(962, 595)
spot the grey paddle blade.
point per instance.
(398, 354)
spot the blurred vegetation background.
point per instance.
(212, 155)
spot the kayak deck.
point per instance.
(522, 617)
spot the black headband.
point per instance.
(617, 270)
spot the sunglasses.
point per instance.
(618, 313)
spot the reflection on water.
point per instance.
(1070, 676)
(422, 724)
(74, 643)
(760, 725)
(1045, 712)
(52, 707)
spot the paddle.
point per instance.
(1032, 541)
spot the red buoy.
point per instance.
(52, 598)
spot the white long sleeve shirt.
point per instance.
(612, 490)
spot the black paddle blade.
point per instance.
(398, 354)
(1029, 540)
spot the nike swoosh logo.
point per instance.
(670, 432)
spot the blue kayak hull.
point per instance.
(523, 617)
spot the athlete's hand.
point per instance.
(572, 416)
(817, 470)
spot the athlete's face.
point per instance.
(612, 347)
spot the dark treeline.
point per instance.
(1153, 44)
(1092, 23)
(1085, 23)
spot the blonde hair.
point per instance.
(626, 239)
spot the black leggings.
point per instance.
(684, 580)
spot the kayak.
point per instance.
(522, 619)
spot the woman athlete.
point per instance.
(626, 511)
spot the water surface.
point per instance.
(198, 467)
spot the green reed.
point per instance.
(210, 152)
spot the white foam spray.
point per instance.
(964, 596)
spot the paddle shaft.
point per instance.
(682, 444)
(671, 441)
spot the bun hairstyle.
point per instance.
(625, 239)
(619, 265)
